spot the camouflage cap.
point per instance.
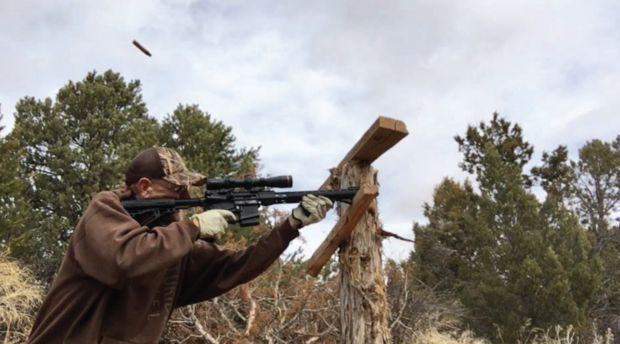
(162, 163)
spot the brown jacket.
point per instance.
(119, 282)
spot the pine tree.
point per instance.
(208, 144)
(595, 193)
(556, 176)
(506, 138)
(16, 216)
(510, 258)
(597, 186)
(563, 230)
(74, 147)
(444, 245)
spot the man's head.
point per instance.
(160, 172)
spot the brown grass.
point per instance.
(560, 335)
(555, 335)
(20, 296)
(432, 336)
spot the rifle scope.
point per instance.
(248, 183)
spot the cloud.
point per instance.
(304, 80)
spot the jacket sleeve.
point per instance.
(113, 248)
(212, 271)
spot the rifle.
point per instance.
(244, 204)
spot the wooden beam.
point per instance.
(384, 133)
(343, 228)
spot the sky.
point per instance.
(305, 80)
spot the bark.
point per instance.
(364, 307)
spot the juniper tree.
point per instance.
(509, 257)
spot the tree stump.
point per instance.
(364, 307)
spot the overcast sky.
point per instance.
(304, 80)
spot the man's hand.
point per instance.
(213, 223)
(316, 208)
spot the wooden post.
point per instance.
(382, 135)
(364, 308)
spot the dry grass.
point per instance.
(560, 335)
(20, 296)
(555, 335)
(433, 336)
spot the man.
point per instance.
(119, 281)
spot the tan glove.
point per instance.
(316, 207)
(213, 223)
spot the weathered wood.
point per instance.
(343, 228)
(382, 135)
(364, 308)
